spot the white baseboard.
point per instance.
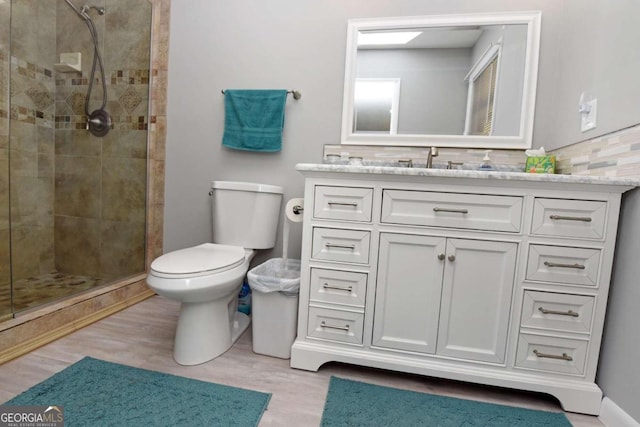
(611, 415)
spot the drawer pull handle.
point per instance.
(555, 264)
(462, 211)
(564, 356)
(326, 325)
(571, 218)
(441, 257)
(339, 288)
(353, 204)
(561, 313)
(451, 258)
(336, 245)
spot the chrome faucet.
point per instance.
(433, 152)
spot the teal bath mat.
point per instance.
(94, 393)
(353, 403)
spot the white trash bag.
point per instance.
(276, 276)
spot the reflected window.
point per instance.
(376, 106)
(482, 93)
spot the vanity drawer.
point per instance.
(338, 287)
(551, 354)
(343, 203)
(559, 312)
(569, 218)
(564, 265)
(335, 325)
(455, 210)
(335, 244)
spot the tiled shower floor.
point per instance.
(33, 291)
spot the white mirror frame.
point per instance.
(521, 141)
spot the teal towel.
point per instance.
(253, 119)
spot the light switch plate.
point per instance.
(589, 117)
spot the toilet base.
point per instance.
(207, 330)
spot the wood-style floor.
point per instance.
(142, 336)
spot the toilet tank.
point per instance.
(245, 214)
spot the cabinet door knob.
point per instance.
(451, 258)
(440, 257)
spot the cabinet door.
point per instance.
(476, 299)
(408, 292)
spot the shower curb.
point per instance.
(71, 325)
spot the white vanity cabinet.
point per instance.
(444, 296)
(493, 278)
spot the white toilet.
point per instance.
(207, 278)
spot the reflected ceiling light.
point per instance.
(402, 37)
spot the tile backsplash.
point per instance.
(614, 154)
(505, 160)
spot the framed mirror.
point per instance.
(442, 80)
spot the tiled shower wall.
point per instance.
(31, 161)
(37, 327)
(99, 220)
(78, 202)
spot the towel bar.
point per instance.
(296, 94)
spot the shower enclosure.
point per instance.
(72, 204)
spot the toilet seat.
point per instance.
(201, 260)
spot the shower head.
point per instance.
(86, 8)
(83, 11)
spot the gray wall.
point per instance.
(597, 46)
(433, 93)
(276, 44)
(586, 45)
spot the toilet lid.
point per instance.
(204, 258)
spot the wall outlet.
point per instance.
(588, 113)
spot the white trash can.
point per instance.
(274, 306)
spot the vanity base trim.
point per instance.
(574, 396)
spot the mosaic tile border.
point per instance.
(130, 77)
(31, 70)
(37, 73)
(117, 122)
(31, 116)
(116, 77)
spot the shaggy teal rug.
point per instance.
(353, 403)
(93, 393)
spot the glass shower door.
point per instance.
(72, 204)
(5, 261)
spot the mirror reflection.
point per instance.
(376, 105)
(470, 82)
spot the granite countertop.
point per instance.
(475, 174)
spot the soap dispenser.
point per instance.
(487, 164)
